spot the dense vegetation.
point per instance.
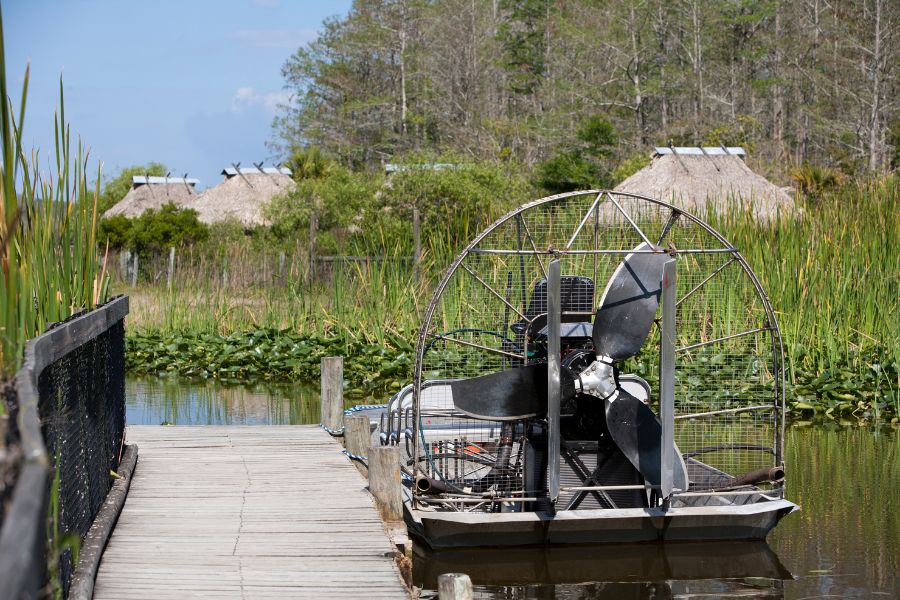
(155, 230)
(832, 276)
(525, 79)
(48, 233)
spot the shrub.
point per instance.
(455, 202)
(155, 230)
(566, 172)
(813, 180)
(338, 198)
(118, 231)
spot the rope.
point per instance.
(339, 432)
(333, 432)
(360, 407)
(362, 459)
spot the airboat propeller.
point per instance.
(621, 325)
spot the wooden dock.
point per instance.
(246, 512)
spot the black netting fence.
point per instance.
(69, 397)
(82, 413)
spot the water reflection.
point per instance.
(156, 401)
(843, 543)
(750, 570)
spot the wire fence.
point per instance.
(71, 422)
(235, 267)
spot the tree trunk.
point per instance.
(777, 91)
(876, 75)
(636, 79)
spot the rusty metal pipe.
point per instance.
(429, 486)
(758, 476)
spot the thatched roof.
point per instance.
(153, 192)
(243, 195)
(698, 179)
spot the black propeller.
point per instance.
(510, 394)
(628, 305)
(621, 325)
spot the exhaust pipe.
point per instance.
(773, 474)
(431, 487)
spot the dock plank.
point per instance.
(246, 512)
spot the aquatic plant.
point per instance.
(48, 231)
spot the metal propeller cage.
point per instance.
(487, 312)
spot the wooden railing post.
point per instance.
(384, 481)
(332, 391)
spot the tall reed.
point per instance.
(48, 231)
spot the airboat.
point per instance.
(595, 367)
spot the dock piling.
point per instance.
(384, 481)
(454, 586)
(357, 437)
(332, 391)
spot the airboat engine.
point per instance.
(551, 410)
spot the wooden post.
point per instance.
(417, 244)
(170, 271)
(313, 226)
(384, 481)
(332, 391)
(454, 586)
(357, 437)
(124, 264)
(134, 270)
(281, 264)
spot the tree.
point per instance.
(513, 79)
(116, 188)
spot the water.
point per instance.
(170, 401)
(844, 543)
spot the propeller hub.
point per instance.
(599, 378)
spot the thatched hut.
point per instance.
(243, 194)
(153, 192)
(698, 179)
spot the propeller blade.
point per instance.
(509, 395)
(636, 431)
(628, 305)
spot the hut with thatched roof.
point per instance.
(152, 192)
(243, 194)
(699, 179)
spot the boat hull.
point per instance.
(597, 526)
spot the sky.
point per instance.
(193, 84)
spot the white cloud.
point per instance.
(246, 98)
(275, 38)
(273, 100)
